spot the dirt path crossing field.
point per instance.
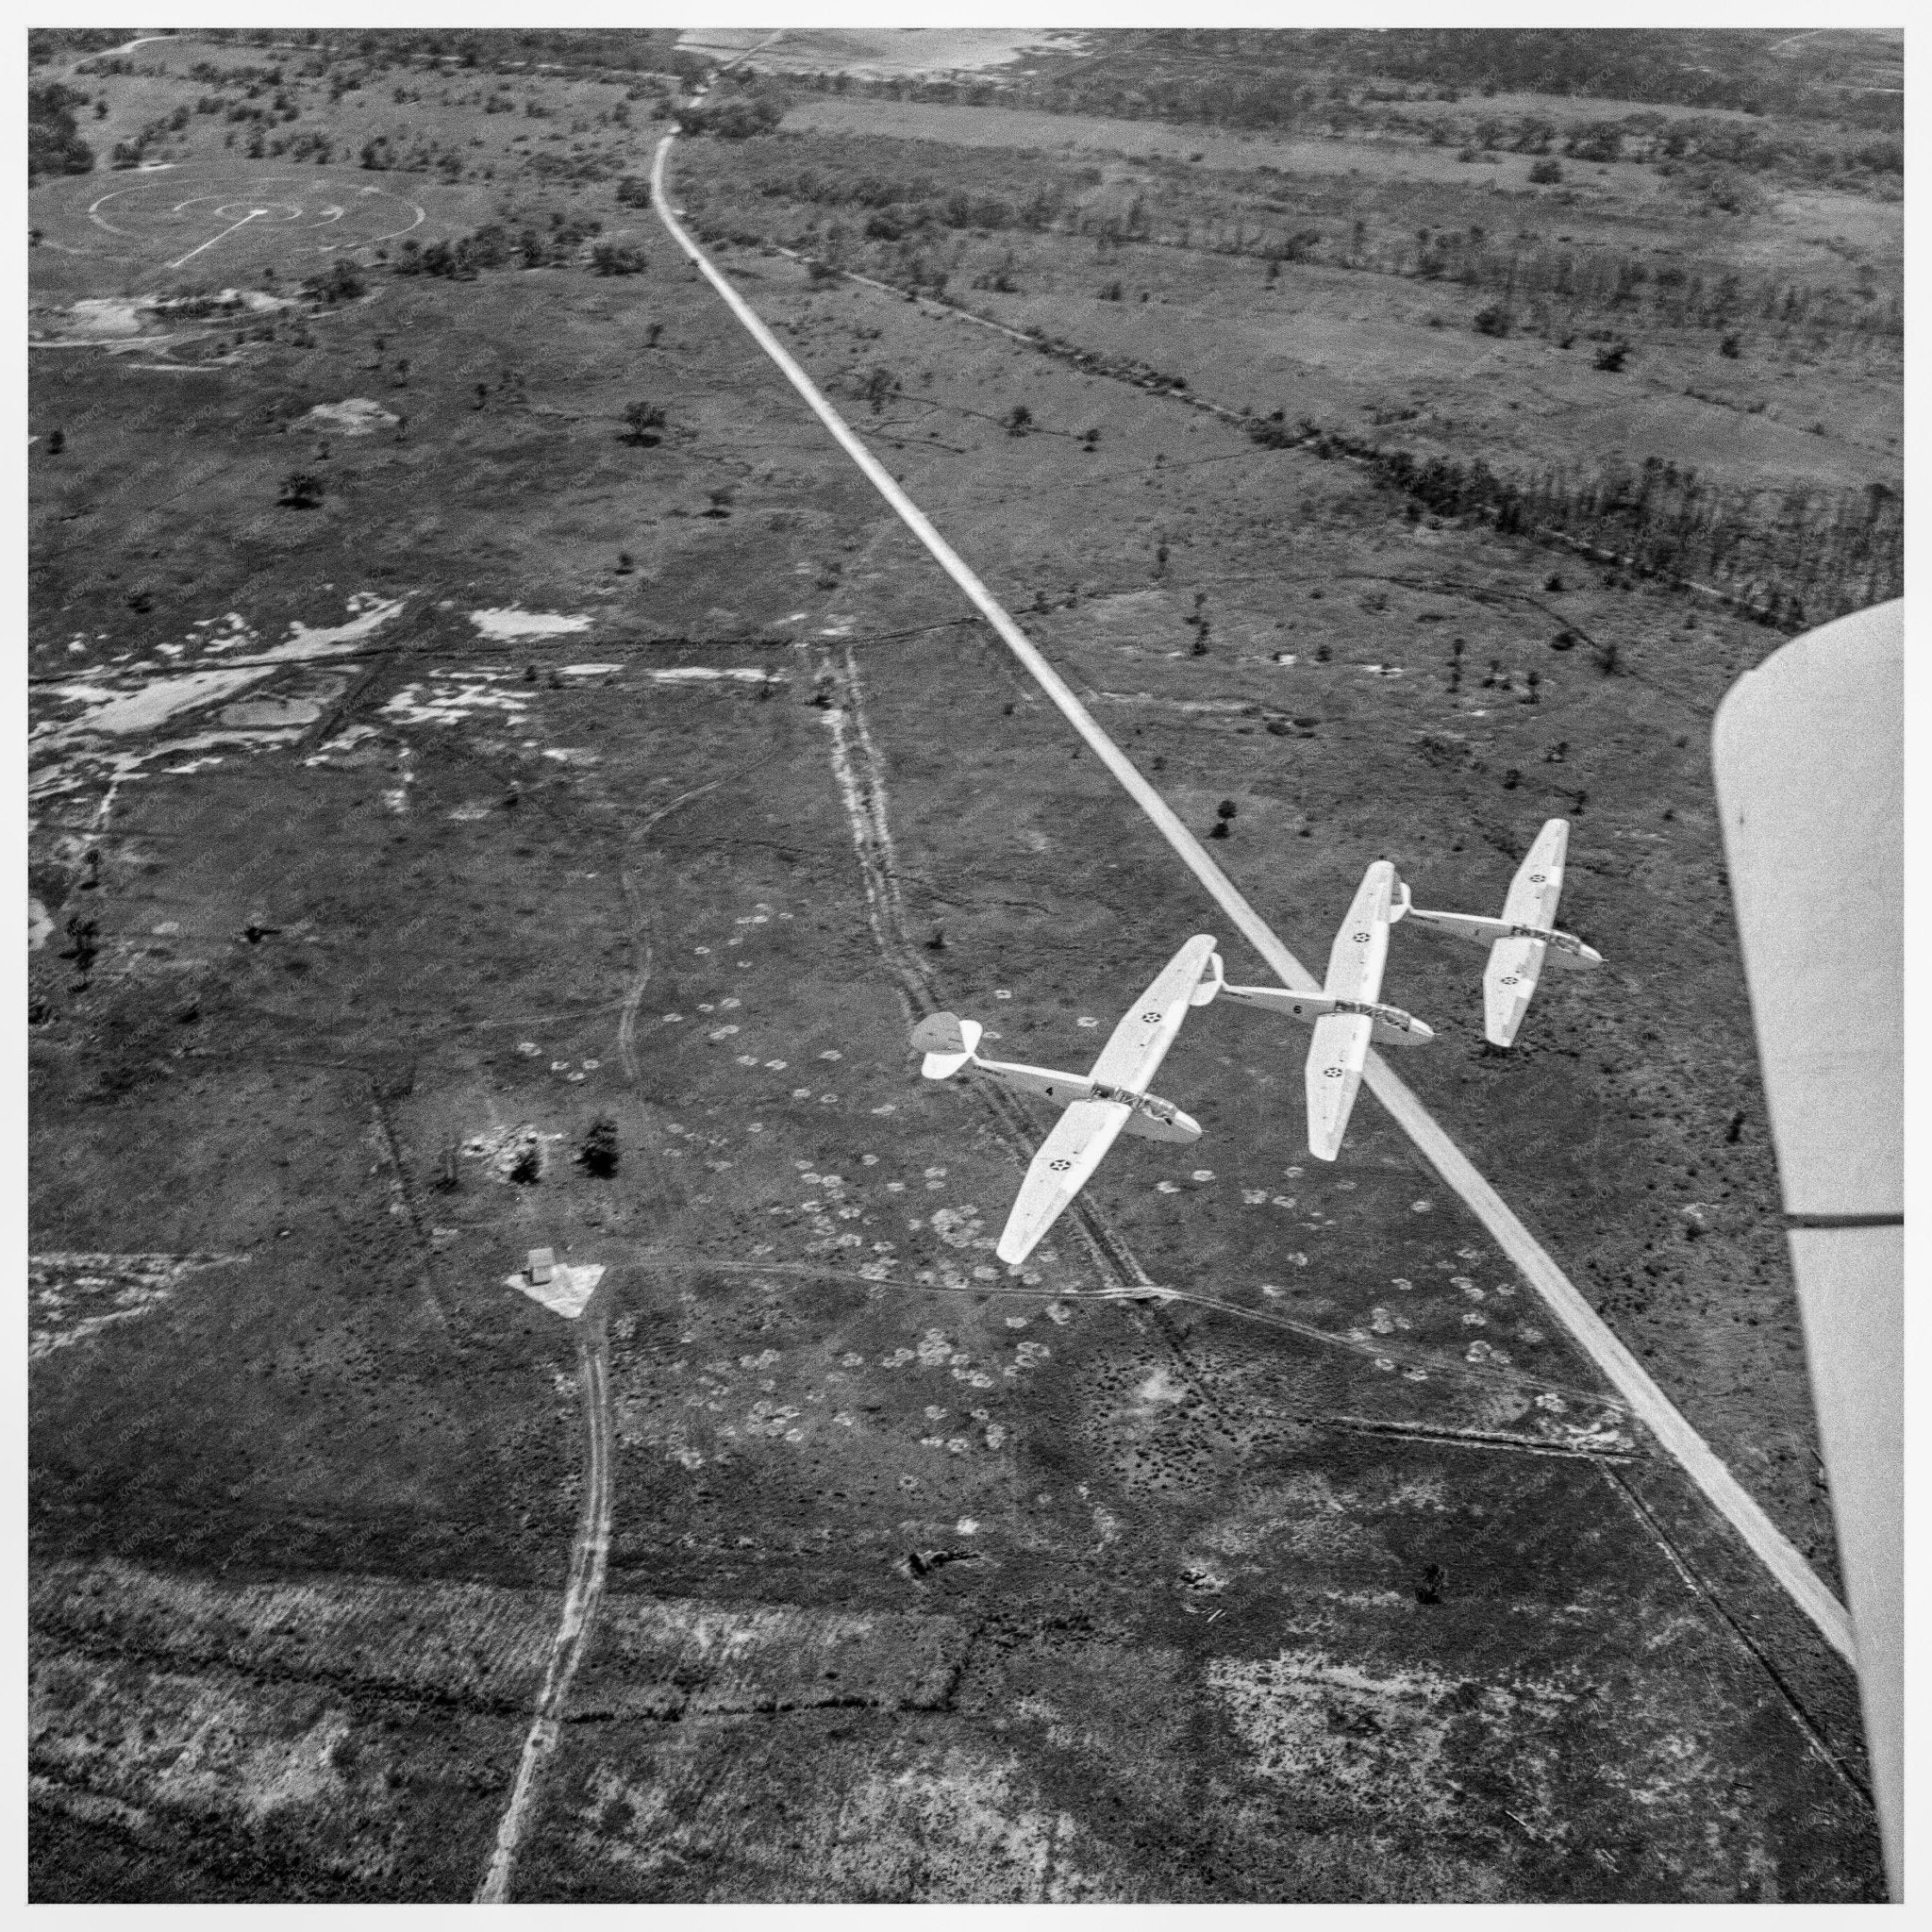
(588, 1560)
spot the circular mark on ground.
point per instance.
(295, 214)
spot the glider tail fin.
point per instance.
(947, 1041)
(1212, 979)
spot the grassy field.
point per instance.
(530, 768)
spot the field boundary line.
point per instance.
(1648, 1402)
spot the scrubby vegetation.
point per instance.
(1835, 123)
(54, 146)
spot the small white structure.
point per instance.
(564, 1290)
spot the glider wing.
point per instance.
(1355, 959)
(1538, 881)
(1508, 980)
(1066, 1159)
(1140, 1042)
(1335, 1057)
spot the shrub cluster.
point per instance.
(54, 146)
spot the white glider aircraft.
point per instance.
(1347, 1015)
(1519, 940)
(1101, 1105)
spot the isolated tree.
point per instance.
(642, 420)
(1224, 817)
(57, 441)
(1020, 421)
(598, 1154)
(1546, 173)
(301, 489)
(83, 932)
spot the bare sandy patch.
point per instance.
(512, 623)
(352, 416)
(271, 711)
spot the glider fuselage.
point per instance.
(1151, 1119)
(1565, 948)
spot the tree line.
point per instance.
(1793, 556)
(1543, 287)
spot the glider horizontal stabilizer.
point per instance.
(947, 1041)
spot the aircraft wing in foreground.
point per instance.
(1807, 752)
(1101, 1105)
(1522, 940)
(1346, 1014)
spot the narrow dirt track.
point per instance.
(589, 1558)
(1649, 1403)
